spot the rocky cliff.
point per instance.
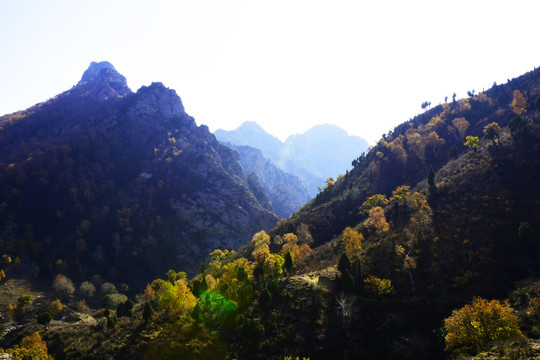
(126, 183)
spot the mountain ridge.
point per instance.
(80, 156)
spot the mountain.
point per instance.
(429, 248)
(320, 153)
(121, 184)
(285, 191)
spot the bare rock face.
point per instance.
(104, 81)
(157, 100)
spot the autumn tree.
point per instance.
(472, 142)
(474, 327)
(491, 132)
(56, 306)
(400, 193)
(32, 347)
(518, 104)
(378, 287)
(352, 241)
(374, 201)
(460, 128)
(63, 286)
(377, 222)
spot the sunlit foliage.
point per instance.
(474, 327)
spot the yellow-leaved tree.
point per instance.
(474, 327)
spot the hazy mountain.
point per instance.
(285, 191)
(322, 152)
(119, 183)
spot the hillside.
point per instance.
(120, 184)
(322, 152)
(372, 268)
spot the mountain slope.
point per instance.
(285, 190)
(119, 183)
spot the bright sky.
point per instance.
(366, 66)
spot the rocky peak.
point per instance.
(104, 81)
(157, 100)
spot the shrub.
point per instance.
(474, 327)
(378, 287)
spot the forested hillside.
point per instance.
(410, 255)
(101, 180)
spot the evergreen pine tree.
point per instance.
(344, 264)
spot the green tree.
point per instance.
(264, 299)
(518, 129)
(431, 181)
(288, 263)
(344, 263)
(45, 318)
(474, 327)
(525, 232)
(148, 312)
(347, 282)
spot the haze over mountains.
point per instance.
(322, 152)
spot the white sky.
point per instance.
(289, 65)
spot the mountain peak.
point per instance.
(108, 81)
(95, 68)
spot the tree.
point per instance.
(491, 132)
(352, 240)
(431, 181)
(525, 232)
(87, 289)
(347, 282)
(344, 264)
(377, 287)
(461, 125)
(519, 104)
(264, 299)
(63, 286)
(373, 201)
(518, 129)
(148, 312)
(288, 263)
(377, 221)
(474, 327)
(45, 318)
(56, 306)
(32, 347)
(472, 142)
(400, 193)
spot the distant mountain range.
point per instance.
(322, 152)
